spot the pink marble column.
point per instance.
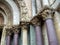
(8, 40)
(38, 35)
(51, 32)
(48, 14)
(16, 37)
(8, 37)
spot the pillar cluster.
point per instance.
(46, 16)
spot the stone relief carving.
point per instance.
(24, 12)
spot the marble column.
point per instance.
(34, 7)
(3, 41)
(16, 31)
(57, 25)
(32, 35)
(37, 26)
(38, 35)
(24, 35)
(50, 28)
(8, 37)
(45, 36)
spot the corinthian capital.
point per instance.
(47, 14)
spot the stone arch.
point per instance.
(5, 18)
(14, 11)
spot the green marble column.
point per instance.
(32, 36)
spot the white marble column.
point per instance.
(57, 25)
(3, 38)
(24, 35)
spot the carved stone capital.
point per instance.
(35, 21)
(15, 29)
(24, 25)
(47, 14)
(8, 31)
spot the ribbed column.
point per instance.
(32, 35)
(24, 34)
(16, 31)
(37, 27)
(8, 38)
(50, 28)
(3, 41)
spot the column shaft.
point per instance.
(32, 35)
(51, 32)
(3, 41)
(24, 37)
(38, 35)
(38, 3)
(8, 40)
(15, 38)
(57, 25)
